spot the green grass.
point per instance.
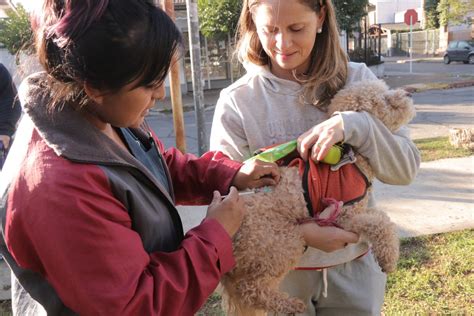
(435, 276)
(439, 148)
(212, 307)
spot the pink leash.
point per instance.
(331, 220)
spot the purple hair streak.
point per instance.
(75, 17)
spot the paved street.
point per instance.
(398, 74)
(162, 124)
(437, 111)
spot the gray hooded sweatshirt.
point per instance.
(261, 109)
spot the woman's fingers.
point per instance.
(351, 238)
(321, 149)
(316, 142)
(256, 174)
(305, 143)
(267, 173)
(326, 238)
(216, 197)
(228, 212)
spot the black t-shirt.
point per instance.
(10, 109)
(145, 151)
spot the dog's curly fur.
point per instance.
(269, 244)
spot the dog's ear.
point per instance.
(401, 109)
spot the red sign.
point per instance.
(411, 13)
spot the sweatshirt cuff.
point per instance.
(229, 170)
(214, 233)
(356, 127)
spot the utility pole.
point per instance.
(366, 34)
(175, 88)
(195, 51)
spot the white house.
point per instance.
(3, 6)
(392, 11)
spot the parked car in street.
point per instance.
(460, 51)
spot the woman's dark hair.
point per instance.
(106, 43)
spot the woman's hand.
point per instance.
(315, 143)
(326, 238)
(5, 140)
(256, 174)
(229, 211)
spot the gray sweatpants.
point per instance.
(353, 288)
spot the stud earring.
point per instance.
(320, 30)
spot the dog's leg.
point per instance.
(376, 227)
(268, 297)
(249, 298)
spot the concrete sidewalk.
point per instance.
(441, 199)
(415, 59)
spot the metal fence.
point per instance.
(424, 43)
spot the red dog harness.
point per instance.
(347, 184)
(323, 185)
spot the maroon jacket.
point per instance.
(89, 230)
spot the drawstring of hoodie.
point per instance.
(329, 221)
(325, 282)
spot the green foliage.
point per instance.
(15, 31)
(349, 13)
(454, 11)
(217, 18)
(431, 14)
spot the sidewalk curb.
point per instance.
(421, 87)
(421, 60)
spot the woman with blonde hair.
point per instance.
(295, 65)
